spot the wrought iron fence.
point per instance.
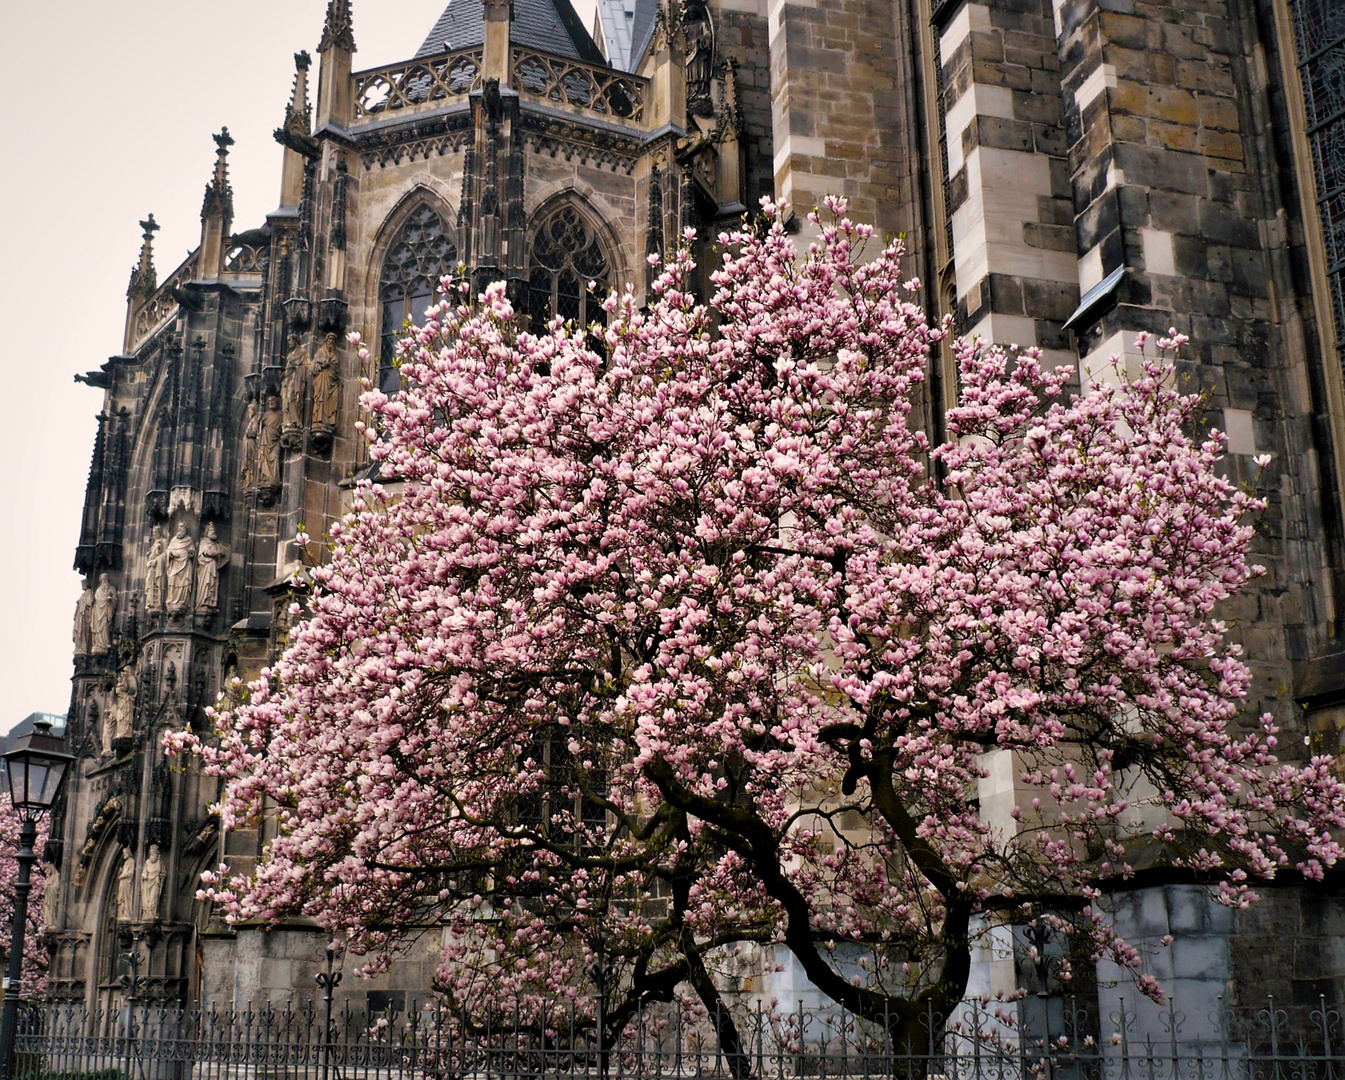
(1133, 1042)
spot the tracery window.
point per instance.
(421, 254)
(567, 258)
(560, 798)
(1319, 27)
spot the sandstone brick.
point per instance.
(1219, 113)
(1172, 136)
(1222, 144)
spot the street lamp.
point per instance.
(36, 767)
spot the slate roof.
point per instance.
(642, 32)
(548, 25)
(627, 25)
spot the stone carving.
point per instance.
(108, 731)
(268, 445)
(292, 387)
(210, 560)
(104, 610)
(51, 896)
(184, 498)
(84, 621)
(179, 557)
(181, 553)
(700, 44)
(326, 387)
(126, 886)
(121, 716)
(92, 717)
(252, 427)
(151, 885)
(155, 563)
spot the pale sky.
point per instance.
(111, 107)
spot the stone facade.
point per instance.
(1065, 172)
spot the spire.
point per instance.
(299, 114)
(338, 31)
(219, 196)
(335, 89)
(143, 277)
(217, 211)
(143, 282)
(295, 135)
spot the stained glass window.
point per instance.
(421, 254)
(566, 259)
(1319, 26)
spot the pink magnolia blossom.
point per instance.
(34, 945)
(679, 636)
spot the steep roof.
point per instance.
(548, 25)
(642, 31)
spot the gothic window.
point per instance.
(566, 258)
(559, 800)
(422, 252)
(1319, 26)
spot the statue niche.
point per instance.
(699, 31)
(151, 885)
(126, 886)
(84, 621)
(51, 897)
(292, 387)
(156, 563)
(268, 450)
(180, 555)
(104, 611)
(326, 392)
(119, 720)
(212, 558)
(252, 429)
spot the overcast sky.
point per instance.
(111, 107)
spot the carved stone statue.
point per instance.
(700, 42)
(292, 385)
(151, 885)
(104, 609)
(122, 712)
(268, 445)
(51, 896)
(108, 730)
(83, 621)
(126, 886)
(155, 562)
(212, 558)
(252, 427)
(181, 553)
(326, 387)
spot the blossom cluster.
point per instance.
(677, 634)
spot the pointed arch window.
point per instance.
(421, 254)
(1319, 27)
(567, 258)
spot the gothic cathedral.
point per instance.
(1065, 172)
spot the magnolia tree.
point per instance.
(677, 636)
(34, 976)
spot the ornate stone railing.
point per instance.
(246, 259)
(418, 86)
(429, 84)
(613, 95)
(162, 304)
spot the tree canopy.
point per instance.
(676, 634)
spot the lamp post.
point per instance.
(36, 768)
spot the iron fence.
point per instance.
(1135, 1040)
